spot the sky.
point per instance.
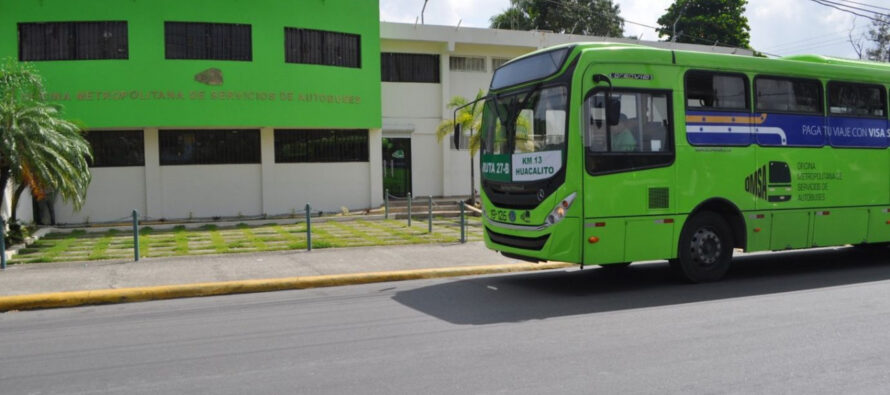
(778, 27)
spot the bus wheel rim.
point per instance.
(706, 247)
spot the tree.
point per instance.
(879, 35)
(712, 22)
(587, 17)
(38, 148)
(469, 117)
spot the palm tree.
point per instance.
(469, 117)
(37, 146)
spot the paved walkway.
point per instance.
(77, 276)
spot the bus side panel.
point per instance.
(759, 231)
(650, 238)
(878, 225)
(840, 226)
(609, 246)
(790, 230)
(860, 177)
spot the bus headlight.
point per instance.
(559, 212)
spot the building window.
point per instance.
(209, 147)
(707, 90)
(463, 63)
(298, 146)
(407, 67)
(498, 62)
(321, 47)
(117, 148)
(856, 100)
(73, 41)
(217, 41)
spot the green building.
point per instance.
(211, 108)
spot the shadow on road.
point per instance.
(516, 298)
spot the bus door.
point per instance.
(628, 181)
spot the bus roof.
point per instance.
(812, 66)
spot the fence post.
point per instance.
(2, 244)
(463, 228)
(386, 204)
(308, 227)
(409, 209)
(135, 236)
(430, 214)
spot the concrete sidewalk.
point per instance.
(42, 278)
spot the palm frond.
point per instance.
(37, 145)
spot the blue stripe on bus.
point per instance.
(788, 130)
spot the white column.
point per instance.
(154, 193)
(267, 155)
(375, 166)
(445, 73)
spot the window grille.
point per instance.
(406, 67)
(73, 41)
(498, 62)
(462, 63)
(298, 146)
(117, 148)
(209, 147)
(322, 47)
(217, 41)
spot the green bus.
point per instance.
(605, 154)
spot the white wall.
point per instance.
(113, 194)
(327, 186)
(26, 207)
(411, 100)
(210, 190)
(426, 164)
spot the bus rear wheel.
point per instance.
(705, 248)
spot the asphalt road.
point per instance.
(801, 322)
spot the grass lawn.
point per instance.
(82, 245)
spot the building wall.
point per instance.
(211, 190)
(149, 90)
(152, 93)
(206, 191)
(113, 194)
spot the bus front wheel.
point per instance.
(705, 249)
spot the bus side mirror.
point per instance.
(456, 137)
(613, 112)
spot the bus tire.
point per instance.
(705, 248)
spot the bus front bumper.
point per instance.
(560, 242)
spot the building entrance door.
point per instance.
(397, 166)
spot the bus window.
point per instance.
(789, 112)
(858, 100)
(717, 109)
(788, 95)
(857, 115)
(641, 138)
(716, 91)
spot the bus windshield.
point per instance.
(524, 134)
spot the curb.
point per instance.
(139, 294)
